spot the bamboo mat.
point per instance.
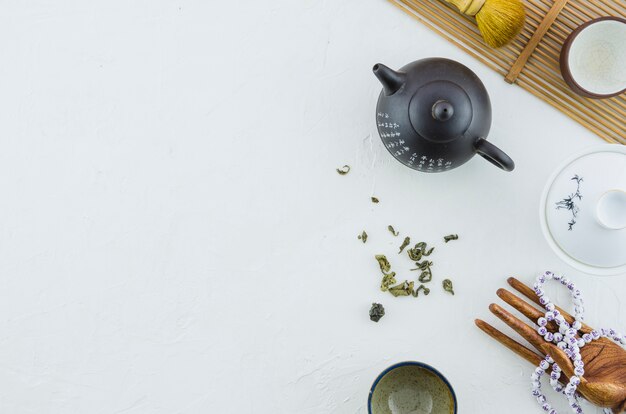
(540, 73)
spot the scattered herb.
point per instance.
(406, 242)
(418, 251)
(422, 287)
(363, 236)
(388, 280)
(423, 266)
(426, 276)
(375, 200)
(383, 263)
(343, 170)
(447, 286)
(568, 202)
(451, 237)
(403, 289)
(377, 311)
(415, 254)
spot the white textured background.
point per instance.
(174, 237)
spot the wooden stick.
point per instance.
(514, 346)
(534, 41)
(576, 116)
(528, 354)
(528, 292)
(555, 29)
(580, 102)
(568, 95)
(581, 118)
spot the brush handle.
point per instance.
(468, 7)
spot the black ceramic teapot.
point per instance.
(434, 115)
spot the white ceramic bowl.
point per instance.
(593, 58)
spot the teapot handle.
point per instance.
(493, 154)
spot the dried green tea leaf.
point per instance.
(451, 237)
(377, 311)
(392, 230)
(403, 289)
(343, 170)
(424, 265)
(375, 200)
(383, 263)
(415, 254)
(426, 276)
(421, 287)
(406, 242)
(363, 236)
(419, 250)
(447, 286)
(388, 280)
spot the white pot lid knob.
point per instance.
(611, 210)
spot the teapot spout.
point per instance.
(391, 80)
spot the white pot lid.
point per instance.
(583, 210)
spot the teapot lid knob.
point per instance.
(442, 110)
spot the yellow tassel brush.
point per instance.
(499, 21)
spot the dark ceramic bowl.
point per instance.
(593, 58)
(411, 387)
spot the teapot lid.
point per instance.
(440, 111)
